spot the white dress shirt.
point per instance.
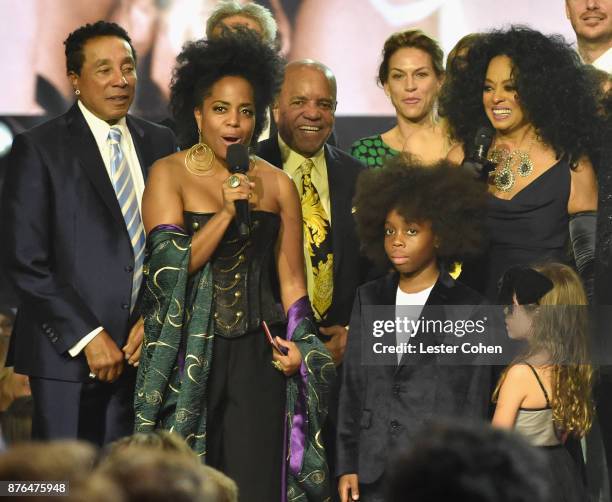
(604, 62)
(417, 301)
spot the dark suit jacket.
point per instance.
(382, 407)
(66, 246)
(350, 268)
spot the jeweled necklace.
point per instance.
(505, 160)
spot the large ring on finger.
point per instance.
(233, 181)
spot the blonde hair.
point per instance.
(217, 487)
(560, 329)
(159, 440)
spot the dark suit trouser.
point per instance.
(94, 411)
(372, 492)
(603, 399)
(329, 433)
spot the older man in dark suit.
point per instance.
(325, 177)
(74, 243)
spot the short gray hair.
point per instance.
(256, 12)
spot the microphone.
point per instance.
(476, 162)
(238, 162)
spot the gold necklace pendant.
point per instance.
(199, 160)
(504, 179)
(525, 167)
(504, 174)
(497, 155)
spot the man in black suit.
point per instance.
(74, 243)
(304, 115)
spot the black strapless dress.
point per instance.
(246, 394)
(528, 229)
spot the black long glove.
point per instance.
(582, 234)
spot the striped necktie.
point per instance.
(128, 201)
(318, 241)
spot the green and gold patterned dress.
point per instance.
(372, 151)
(205, 370)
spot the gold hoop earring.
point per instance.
(199, 158)
(77, 92)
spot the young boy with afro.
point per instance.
(415, 221)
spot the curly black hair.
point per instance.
(74, 43)
(200, 64)
(557, 93)
(443, 194)
(476, 462)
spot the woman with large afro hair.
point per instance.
(203, 62)
(213, 281)
(540, 102)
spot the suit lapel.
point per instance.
(385, 295)
(87, 154)
(337, 204)
(140, 144)
(270, 150)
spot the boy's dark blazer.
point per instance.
(382, 407)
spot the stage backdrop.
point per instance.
(347, 35)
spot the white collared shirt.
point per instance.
(415, 300)
(292, 162)
(100, 129)
(604, 62)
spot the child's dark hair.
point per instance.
(476, 462)
(443, 194)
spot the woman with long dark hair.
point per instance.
(540, 101)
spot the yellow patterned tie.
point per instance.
(318, 241)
